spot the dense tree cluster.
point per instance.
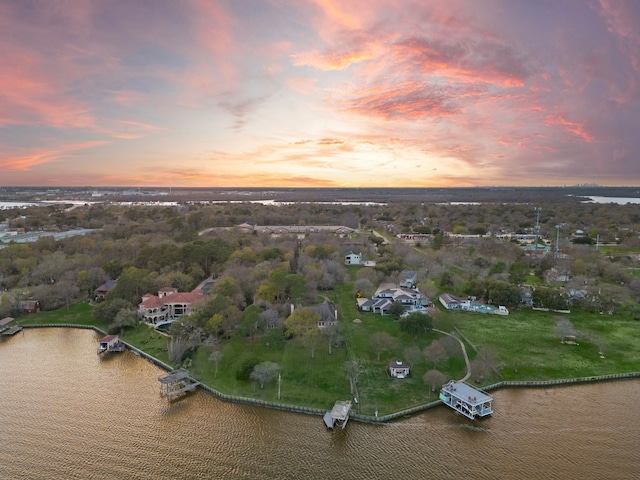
(258, 276)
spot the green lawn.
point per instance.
(529, 346)
(526, 342)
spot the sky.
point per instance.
(319, 93)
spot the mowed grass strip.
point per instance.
(313, 382)
(529, 346)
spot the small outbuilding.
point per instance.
(398, 369)
(28, 306)
(110, 343)
(4, 322)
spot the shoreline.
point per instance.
(378, 420)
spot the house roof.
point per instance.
(106, 286)
(152, 301)
(28, 303)
(448, 298)
(398, 364)
(5, 321)
(326, 310)
(108, 338)
(168, 289)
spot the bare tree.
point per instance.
(271, 318)
(265, 372)
(215, 357)
(331, 332)
(353, 369)
(413, 355)
(452, 345)
(435, 379)
(383, 342)
(486, 361)
(365, 287)
(565, 328)
(178, 346)
(435, 353)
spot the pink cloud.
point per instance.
(329, 61)
(25, 159)
(30, 95)
(575, 128)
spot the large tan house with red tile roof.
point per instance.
(168, 305)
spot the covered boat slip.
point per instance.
(466, 399)
(339, 414)
(176, 383)
(8, 330)
(110, 343)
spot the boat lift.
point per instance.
(467, 400)
(339, 414)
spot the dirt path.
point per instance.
(464, 353)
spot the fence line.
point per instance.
(354, 416)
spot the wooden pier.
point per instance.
(467, 400)
(110, 343)
(11, 330)
(339, 414)
(5, 329)
(176, 383)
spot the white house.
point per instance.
(450, 302)
(352, 258)
(398, 369)
(410, 298)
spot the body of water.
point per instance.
(617, 200)
(6, 205)
(67, 413)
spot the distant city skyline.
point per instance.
(319, 93)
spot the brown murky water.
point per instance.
(66, 413)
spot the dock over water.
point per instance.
(12, 330)
(110, 343)
(467, 400)
(9, 330)
(176, 383)
(339, 414)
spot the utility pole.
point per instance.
(279, 384)
(538, 210)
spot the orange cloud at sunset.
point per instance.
(319, 93)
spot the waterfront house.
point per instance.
(168, 305)
(398, 369)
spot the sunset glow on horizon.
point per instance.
(319, 93)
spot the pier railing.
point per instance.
(354, 416)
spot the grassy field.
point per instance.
(529, 346)
(526, 342)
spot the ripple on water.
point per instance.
(67, 413)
